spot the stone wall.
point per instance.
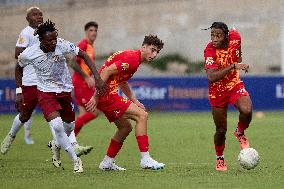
(124, 23)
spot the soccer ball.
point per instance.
(248, 158)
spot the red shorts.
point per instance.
(113, 106)
(81, 90)
(30, 98)
(222, 100)
(50, 102)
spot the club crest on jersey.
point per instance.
(209, 61)
(124, 66)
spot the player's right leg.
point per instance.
(84, 118)
(220, 120)
(18, 122)
(123, 129)
(50, 104)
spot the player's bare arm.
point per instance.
(89, 80)
(105, 74)
(215, 74)
(18, 51)
(126, 89)
(18, 78)
(101, 87)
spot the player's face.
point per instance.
(150, 52)
(91, 33)
(49, 41)
(217, 37)
(35, 17)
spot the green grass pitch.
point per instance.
(183, 141)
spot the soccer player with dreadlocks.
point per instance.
(222, 64)
(116, 71)
(54, 84)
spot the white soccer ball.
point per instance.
(248, 158)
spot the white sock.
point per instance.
(108, 159)
(145, 155)
(62, 138)
(220, 157)
(53, 135)
(73, 139)
(17, 124)
(68, 127)
(27, 127)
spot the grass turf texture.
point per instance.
(183, 141)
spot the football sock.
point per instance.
(17, 124)
(62, 138)
(220, 157)
(219, 150)
(27, 127)
(241, 128)
(113, 148)
(68, 127)
(73, 139)
(83, 120)
(143, 143)
(53, 135)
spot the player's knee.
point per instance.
(24, 118)
(143, 116)
(246, 110)
(57, 125)
(221, 131)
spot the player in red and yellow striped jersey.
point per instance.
(222, 65)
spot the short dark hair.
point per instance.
(90, 24)
(153, 40)
(45, 27)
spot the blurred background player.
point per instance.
(84, 85)
(222, 63)
(54, 84)
(26, 100)
(116, 71)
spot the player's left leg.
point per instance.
(244, 105)
(27, 127)
(141, 117)
(242, 101)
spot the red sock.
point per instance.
(219, 150)
(113, 148)
(83, 120)
(143, 143)
(242, 127)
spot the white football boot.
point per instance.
(6, 144)
(55, 153)
(110, 166)
(150, 163)
(78, 166)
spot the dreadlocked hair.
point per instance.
(153, 40)
(47, 26)
(222, 26)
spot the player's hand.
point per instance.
(92, 104)
(242, 66)
(90, 82)
(19, 101)
(139, 104)
(102, 88)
